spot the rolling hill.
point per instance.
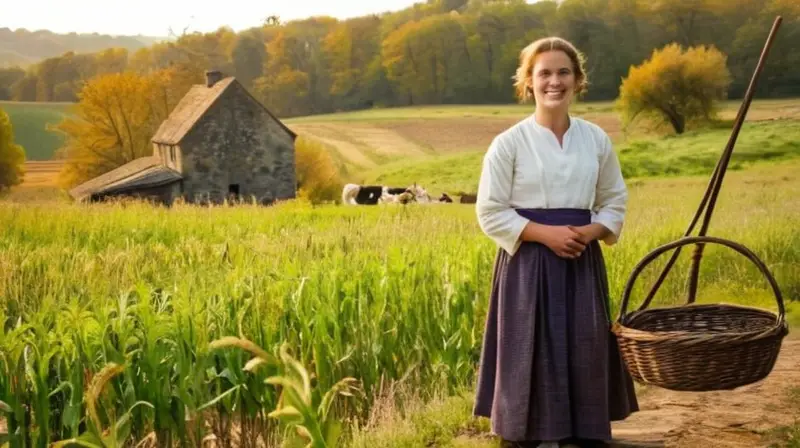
(22, 47)
(441, 147)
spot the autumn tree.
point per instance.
(285, 86)
(12, 156)
(428, 60)
(113, 122)
(675, 86)
(318, 176)
(247, 56)
(351, 50)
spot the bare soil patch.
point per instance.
(384, 140)
(449, 135)
(356, 141)
(725, 419)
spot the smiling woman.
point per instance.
(550, 190)
(545, 56)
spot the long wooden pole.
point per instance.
(712, 191)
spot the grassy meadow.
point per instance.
(31, 121)
(120, 304)
(693, 153)
(441, 147)
(125, 322)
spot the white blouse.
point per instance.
(525, 167)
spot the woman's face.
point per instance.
(553, 80)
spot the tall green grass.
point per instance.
(697, 152)
(385, 295)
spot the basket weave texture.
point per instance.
(700, 347)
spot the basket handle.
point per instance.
(692, 240)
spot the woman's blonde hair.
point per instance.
(523, 82)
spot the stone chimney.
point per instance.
(212, 77)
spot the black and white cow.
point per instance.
(353, 194)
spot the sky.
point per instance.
(155, 17)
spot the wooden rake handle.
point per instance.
(714, 185)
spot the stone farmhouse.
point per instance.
(219, 142)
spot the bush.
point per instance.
(318, 178)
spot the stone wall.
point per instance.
(237, 143)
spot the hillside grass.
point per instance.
(447, 142)
(692, 153)
(759, 109)
(30, 121)
(393, 296)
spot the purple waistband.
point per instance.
(557, 216)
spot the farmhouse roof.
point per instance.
(197, 101)
(139, 173)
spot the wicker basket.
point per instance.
(700, 347)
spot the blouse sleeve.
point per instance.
(496, 217)
(611, 194)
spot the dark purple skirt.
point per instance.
(550, 368)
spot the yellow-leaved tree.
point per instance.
(12, 156)
(113, 121)
(318, 177)
(676, 86)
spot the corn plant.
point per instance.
(119, 428)
(299, 408)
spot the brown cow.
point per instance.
(468, 198)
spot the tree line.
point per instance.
(439, 52)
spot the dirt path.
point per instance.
(731, 419)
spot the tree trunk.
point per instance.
(677, 121)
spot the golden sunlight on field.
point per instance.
(42, 173)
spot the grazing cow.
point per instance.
(394, 195)
(395, 190)
(369, 194)
(353, 194)
(349, 193)
(445, 198)
(420, 194)
(405, 197)
(468, 198)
